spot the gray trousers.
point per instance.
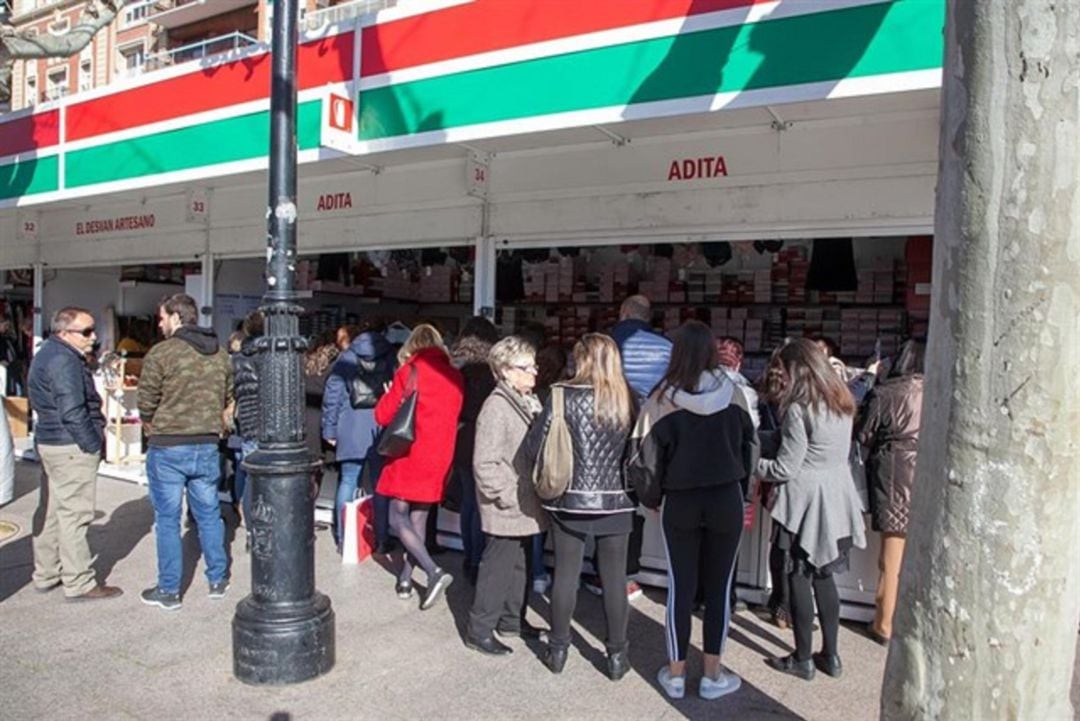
(65, 510)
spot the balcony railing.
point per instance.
(197, 51)
(315, 19)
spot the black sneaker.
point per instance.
(404, 590)
(156, 597)
(436, 585)
(217, 590)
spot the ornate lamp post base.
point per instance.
(276, 640)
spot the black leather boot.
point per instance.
(788, 664)
(617, 665)
(828, 665)
(554, 658)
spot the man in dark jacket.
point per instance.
(69, 435)
(185, 386)
(644, 352)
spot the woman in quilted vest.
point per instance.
(597, 410)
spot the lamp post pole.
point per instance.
(284, 631)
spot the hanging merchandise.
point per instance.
(832, 266)
(432, 256)
(768, 246)
(509, 278)
(716, 253)
(333, 267)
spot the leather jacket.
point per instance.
(63, 395)
(598, 484)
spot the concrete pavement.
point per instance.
(121, 659)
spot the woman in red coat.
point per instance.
(415, 481)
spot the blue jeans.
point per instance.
(348, 484)
(170, 470)
(240, 490)
(472, 535)
(538, 568)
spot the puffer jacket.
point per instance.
(889, 427)
(185, 385)
(245, 366)
(63, 395)
(645, 355)
(598, 484)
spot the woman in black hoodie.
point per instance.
(693, 444)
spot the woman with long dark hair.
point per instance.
(692, 447)
(815, 503)
(889, 428)
(597, 408)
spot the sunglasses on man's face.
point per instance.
(84, 332)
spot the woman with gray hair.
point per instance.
(510, 511)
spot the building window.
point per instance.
(57, 84)
(86, 74)
(31, 90)
(137, 13)
(132, 60)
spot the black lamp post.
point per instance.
(284, 631)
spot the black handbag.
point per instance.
(397, 438)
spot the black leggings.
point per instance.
(408, 521)
(701, 522)
(610, 559)
(802, 580)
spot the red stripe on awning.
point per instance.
(31, 132)
(486, 25)
(328, 60)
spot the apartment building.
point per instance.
(147, 35)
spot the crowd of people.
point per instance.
(531, 441)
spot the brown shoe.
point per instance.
(97, 593)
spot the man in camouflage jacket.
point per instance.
(185, 386)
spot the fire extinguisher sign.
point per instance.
(338, 121)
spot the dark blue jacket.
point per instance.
(63, 394)
(354, 429)
(645, 355)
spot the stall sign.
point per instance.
(477, 174)
(28, 227)
(709, 166)
(338, 128)
(334, 201)
(115, 225)
(198, 205)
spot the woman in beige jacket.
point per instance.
(510, 511)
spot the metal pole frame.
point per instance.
(284, 631)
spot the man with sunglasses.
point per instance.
(185, 386)
(69, 436)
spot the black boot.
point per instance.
(554, 658)
(788, 664)
(490, 645)
(617, 665)
(828, 665)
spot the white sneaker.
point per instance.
(674, 686)
(540, 585)
(722, 686)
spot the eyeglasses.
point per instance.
(84, 332)
(526, 368)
